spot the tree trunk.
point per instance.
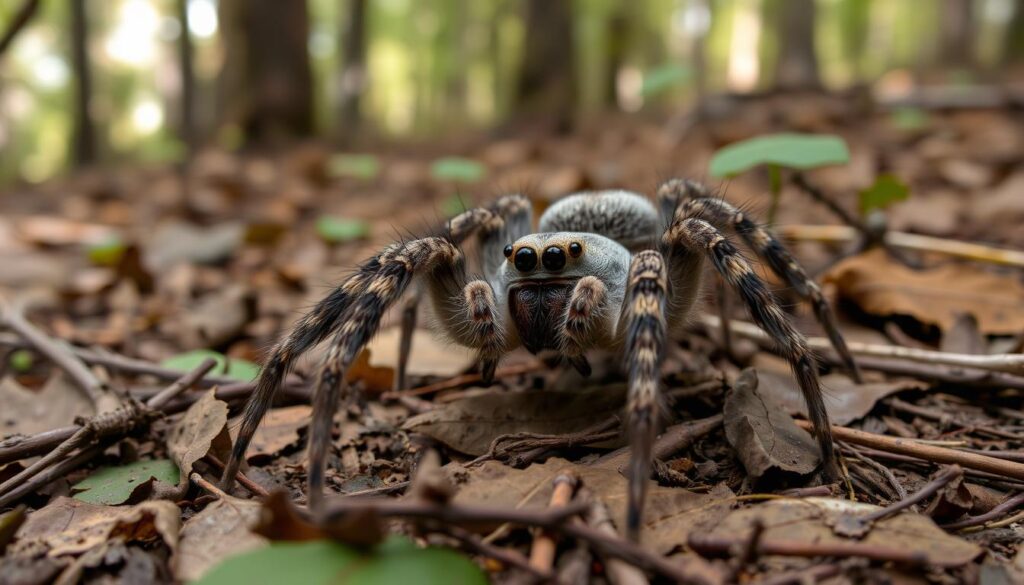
(615, 54)
(1013, 42)
(547, 82)
(798, 60)
(187, 130)
(267, 80)
(957, 38)
(353, 71)
(84, 145)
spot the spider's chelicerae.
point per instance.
(595, 275)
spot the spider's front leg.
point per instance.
(470, 317)
(586, 323)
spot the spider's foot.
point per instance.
(581, 364)
(487, 368)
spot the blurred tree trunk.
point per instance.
(615, 55)
(957, 35)
(188, 82)
(353, 71)
(547, 85)
(267, 84)
(21, 18)
(1013, 42)
(798, 60)
(84, 145)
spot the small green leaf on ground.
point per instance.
(665, 78)
(887, 190)
(338, 230)
(909, 118)
(396, 562)
(795, 151)
(107, 252)
(115, 485)
(453, 205)
(21, 360)
(242, 370)
(359, 166)
(454, 168)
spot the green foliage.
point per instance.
(453, 205)
(359, 166)
(396, 562)
(338, 230)
(242, 370)
(21, 360)
(107, 252)
(453, 168)
(795, 151)
(887, 190)
(115, 485)
(665, 78)
(909, 118)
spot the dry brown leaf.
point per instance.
(881, 286)
(220, 530)
(67, 526)
(278, 430)
(470, 424)
(57, 231)
(762, 433)
(670, 515)
(809, 521)
(56, 405)
(375, 379)
(428, 356)
(845, 400)
(203, 429)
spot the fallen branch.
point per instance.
(931, 453)
(841, 234)
(542, 552)
(1011, 363)
(722, 546)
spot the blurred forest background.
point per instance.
(127, 81)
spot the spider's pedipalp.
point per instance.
(697, 234)
(693, 200)
(644, 328)
(587, 321)
(397, 266)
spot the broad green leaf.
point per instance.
(396, 562)
(664, 78)
(795, 151)
(114, 485)
(107, 252)
(360, 166)
(453, 205)
(21, 360)
(453, 168)
(887, 189)
(242, 370)
(337, 230)
(909, 118)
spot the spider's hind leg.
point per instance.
(693, 200)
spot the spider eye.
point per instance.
(553, 258)
(526, 259)
(575, 249)
(508, 250)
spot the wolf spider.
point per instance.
(588, 278)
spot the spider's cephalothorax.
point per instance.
(605, 270)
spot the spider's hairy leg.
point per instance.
(396, 267)
(587, 322)
(697, 234)
(697, 202)
(644, 328)
(311, 329)
(515, 213)
(483, 329)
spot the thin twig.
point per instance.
(464, 379)
(717, 546)
(897, 487)
(937, 483)
(927, 452)
(253, 487)
(199, 481)
(597, 516)
(58, 471)
(542, 552)
(510, 557)
(181, 384)
(996, 512)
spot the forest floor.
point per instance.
(126, 273)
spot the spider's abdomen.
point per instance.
(626, 217)
(538, 309)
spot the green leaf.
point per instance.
(115, 485)
(337, 230)
(21, 360)
(795, 151)
(107, 252)
(242, 370)
(887, 190)
(453, 168)
(395, 562)
(453, 205)
(360, 166)
(664, 78)
(909, 118)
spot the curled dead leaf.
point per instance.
(203, 429)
